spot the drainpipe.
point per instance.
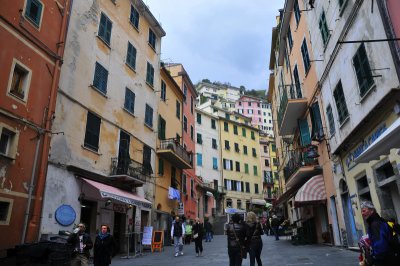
(32, 234)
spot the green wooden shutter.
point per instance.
(304, 132)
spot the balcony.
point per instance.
(268, 180)
(292, 107)
(300, 168)
(217, 191)
(128, 171)
(172, 151)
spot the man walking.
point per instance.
(275, 226)
(177, 233)
(380, 235)
(82, 243)
(208, 228)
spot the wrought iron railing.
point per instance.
(289, 92)
(127, 166)
(296, 160)
(177, 148)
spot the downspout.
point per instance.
(33, 226)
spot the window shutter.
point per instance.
(317, 132)
(304, 132)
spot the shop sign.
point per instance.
(121, 208)
(361, 147)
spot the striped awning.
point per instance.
(312, 191)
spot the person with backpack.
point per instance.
(383, 245)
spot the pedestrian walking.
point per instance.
(253, 235)
(177, 233)
(188, 231)
(381, 237)
(82, 244)
(103, 247)
(198, 237)
(208, 228)
(236, 234)
(275, 226)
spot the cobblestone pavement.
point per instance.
(278, 253)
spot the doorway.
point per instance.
(88, 216)
(119, 231)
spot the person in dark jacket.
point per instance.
(254, 242)
(236, 236)
(208, 228)
(197, 230)
(82, 244)
(178, 233)
(103, 247)
(275, 226)
(381, 237)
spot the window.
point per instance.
(160, 167)
(92, 133)
(163, 91)
(256, 188)
(235, 129)
(331, 121)
(214, 143)
(152, 39)
(297, 84)
(150, 74)
(255, 170)
(199, 159)
(266, 162)
(249, 104)
(227, 116)
(184, 184)
(237, 166)
(240, 103)
(273, 147)
(161, 127)
(148, 118)
(323, 28)
(213, 126)
(105, 29)
(20, 80)
(100, 78)
(265, 149)
(5, 210)
(297, 13)
(290, 39)
(199, 139)
(237, 147)
(254, 152)
(226, 127)
(7, 142)
(129, 104)
(198, 118)
(246, 168)
(131, 56)
(306, 57)
(191, 104)
(185, 124)
(253, 137)
(363, 70)
(227, 145)
(191, 132)
(247, 187)
(33, 11)
(228, 164)
(134, 17)
(184, 93)
(340, 103)
(215, 163)
(250, 111)
(305, 138)
(178, 110)
(245, 149)
(243, 132)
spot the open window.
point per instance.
(19, 80)
(8, 141)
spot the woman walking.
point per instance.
(103, 247)
(254, 242)
(198, 237)
(236, 234)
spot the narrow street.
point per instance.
(280, 252)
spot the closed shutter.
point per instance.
(317, 132)
(304, 133)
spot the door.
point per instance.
(349, 221)
(335, 223)
(123, 153)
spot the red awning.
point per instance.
(312, 191)
(111, 192)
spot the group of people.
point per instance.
(189, 231)
(82, 244)
(244, 237)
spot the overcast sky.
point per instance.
(221, 40)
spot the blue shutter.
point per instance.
(100, 78)
(304, 132)
(131, 56)
(129, 100)
(215, 163)
(199, 159)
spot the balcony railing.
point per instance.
(180, 157)
(289, 92)
(296, 160)
(129, 167)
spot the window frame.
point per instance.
(100, 79)
(363, 71)
(323, 28)
(152, 41)
(90, 132)
(163, 95)
(331, 120)
(134, 20)
(131, 102)
(150, 75)
(38, 21)
(131, 56)
(306, 56)
(343, 117)
(148, 120)
(10, 202)
(26, 80)
(102, 33)
(12, 141)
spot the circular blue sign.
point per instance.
(65, 215)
